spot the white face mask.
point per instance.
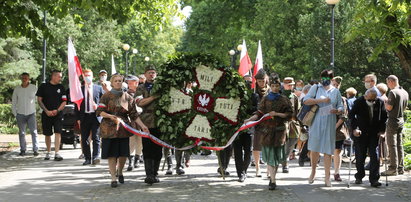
(367, 85)
(103, 78)
(88, 79)
(369, 103)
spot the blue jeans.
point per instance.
(22, 122)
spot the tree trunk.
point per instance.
(404, 54)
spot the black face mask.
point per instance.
(326, 82)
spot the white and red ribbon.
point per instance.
(198, 142)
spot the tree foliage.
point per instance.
(16, 57)
(25, 17)
(157, 43)
(295, 37)
(389, 21)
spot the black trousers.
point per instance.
(242, 153)
(303, 153)
(152, 154)
(225, 155)
(90, 124)
(364, 143)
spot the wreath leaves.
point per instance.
(181, 69)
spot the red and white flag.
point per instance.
(245, 61)
(258, 63)
(74, 72)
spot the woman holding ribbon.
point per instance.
(273, 131)
(116, 106)
(323, 128)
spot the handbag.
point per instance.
(307, 112)
(294, 129)
(342, 132)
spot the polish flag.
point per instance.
(258, 63)
(74, 72)
(245, 61)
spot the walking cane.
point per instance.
(385, 159)
(349, 170)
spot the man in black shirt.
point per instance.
(52, 99)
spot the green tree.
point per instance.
(94, 37)
(295, 37)
(25, 17)
(16, 57)
(390, 22)
(157, 43)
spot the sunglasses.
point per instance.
(325, 78)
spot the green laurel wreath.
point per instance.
(175, 73)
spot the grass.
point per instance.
(9, 130)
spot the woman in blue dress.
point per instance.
(322, 130)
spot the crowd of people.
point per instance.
(369, 120)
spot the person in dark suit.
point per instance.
(88, 121)
(368, 117)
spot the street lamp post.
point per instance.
(44, 49)
(126, 47)
(332, 4)
(233, 53)
(135, 51)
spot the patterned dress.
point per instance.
(273, 131)
(115, 143)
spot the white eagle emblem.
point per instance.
(203, 100)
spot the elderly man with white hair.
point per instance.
(368, 118)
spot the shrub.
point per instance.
(6, 116)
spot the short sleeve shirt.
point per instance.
(398, 99)
(53, 95)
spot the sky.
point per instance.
(186, 11)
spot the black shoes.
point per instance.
(149, 180)
(375, 184)
(114, 184)
(86, 162)
(358, 181)
(180, 171)
(271, 186)
(285, 169)
(121, 179)
(57, 157)
(130, 163)
(35, 153)
(226, 173)
(22, 153)
(242, 177)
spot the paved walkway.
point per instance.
(33, 179)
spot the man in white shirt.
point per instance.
(24, 108)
